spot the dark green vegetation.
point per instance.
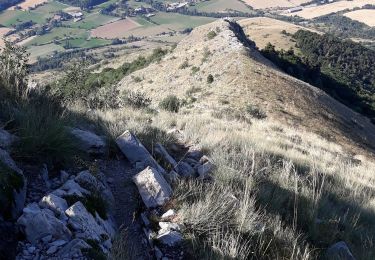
(344, 27)
(10, 181)
(78, 82)
(344, 69)
(171, 103)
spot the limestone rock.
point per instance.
(136, 153)
(339, 251)
(71, 188)
(159, 148)
(169, 214)
(153, 188)
(166, 226)
(38, 223)
(84, 223)
(89, 142)
(54, 203)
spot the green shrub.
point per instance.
(210, 79)
(194, 69)
(211, 35)
(171, 103)
(184, 65)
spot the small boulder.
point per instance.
(64, 176)
(339, 251)
(170, 238)
(136, 153)
(204, 170)
(72, 188)
(169, 214)
(38, 223)
(89, 142)
(84, 223)
(166, 226)
(153, 188)
(185, 170)
(56, 204)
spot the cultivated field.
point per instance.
(28, 3)
(363, 16)
(263, 30)
(116, 29)
(312, 12)
(263, 4)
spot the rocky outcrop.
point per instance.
(60, 216)
(89, 142)
(38, 223)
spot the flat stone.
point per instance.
(52, 250)
(73, 188)
(58, 243)
(47, 239)
(205, 169)
(169, 226)
(136, 153)
(153, 188)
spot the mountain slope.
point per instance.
(243, 77)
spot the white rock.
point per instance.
(170, 238)
(54, 203)
(169, 214)
(84, 223)
(89, 142)
(153, 188)
(38, 223)
(136, 153)
(165, 226)
(159, 148)
(58, 243)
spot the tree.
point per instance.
(14, 69)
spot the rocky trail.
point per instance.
(119, 174)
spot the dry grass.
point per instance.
(275, 187)
(118, 29)
(363, 16)
(263, 30)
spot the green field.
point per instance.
(11, 17)
(51, 7)
(92, 21)
(221, 6)
(83, 43)
(176, 22)
(43, 50)
(58, 34)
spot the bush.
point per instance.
(211, 35)
(210, 79)
(171, 103)
(255, 112)
(184, 65)
(137, 99)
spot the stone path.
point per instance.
(127, 205)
